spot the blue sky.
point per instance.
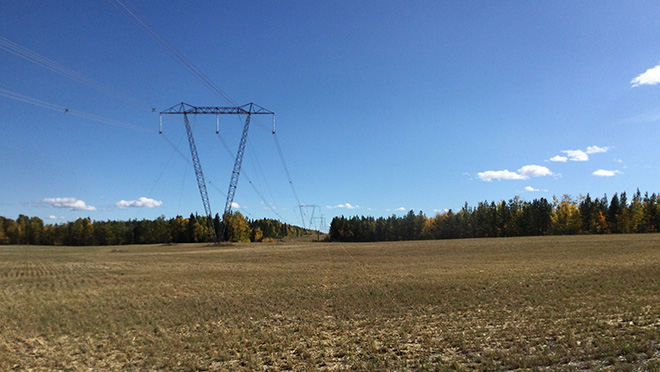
(381, 106)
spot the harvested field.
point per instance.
(548, 303)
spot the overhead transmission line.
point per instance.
(212, 184)
(261, 178)
(136, 18)
(42, 61)
(254, 187)
(66, 110)
(288, 176)
(269, 205)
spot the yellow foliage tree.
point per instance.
(566, 217)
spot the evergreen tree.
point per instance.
(588, 215)
(613, 214)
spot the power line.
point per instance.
(42, 61)
(175, 147)
(288, 176)
(211, 183)
(257, 166)
(66, 110)
(136, 18)
(261, 196)
(270, 205)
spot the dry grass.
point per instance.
(555, 303)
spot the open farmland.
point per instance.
(549, 303)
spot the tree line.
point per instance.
(562, 216)
(194, 229)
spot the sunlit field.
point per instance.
(549, 303)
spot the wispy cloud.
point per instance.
(596, 149)
(650, 117)
(531, 189)
(268, 207)
(523, 173)
(235, 205)
(606, 173)
(345, 206)
(68, 203)
(53, 217)
(139, 203)
(400, 209)
(650, 77)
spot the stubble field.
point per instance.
(550, 303)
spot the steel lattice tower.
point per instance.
(185, 109)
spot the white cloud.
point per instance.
(650, 77)
(559, 158)
(53, 217)
(523, 173)
(596, 149)
(139, 203)
(534, 171)
(531, 189)
(576, 155)
(606, 173)
(70, 203)
(235, 205)
(400, 209)
(345, 205)
(499, 175)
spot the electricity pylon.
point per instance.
(306, 207)
(185, 110)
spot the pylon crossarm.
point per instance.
(247, 109)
